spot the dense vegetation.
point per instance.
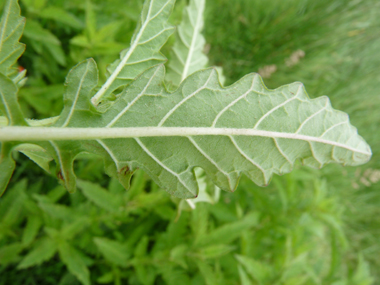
(307, 227)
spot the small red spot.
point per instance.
(124, 170)
(20, 68)
(60, 176)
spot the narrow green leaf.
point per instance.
(178, 255)
(59, 15)
(362, 274)
(244, 278)
(214, 251)
(14, 210)
(33, 225)
(258, 270)
(57, 211)
(73, 228)
(100, 197)
(151, 33)
(9, 253)
(74, 262)
(35, 32)
(7, 166)
(11, 28)
(228, 232)
(90, 20)
(106, 278)
(207, 272)
(113, 251)
(187, 53)
(44, 250)
(174, 276)
(142, 247)
(9, 104)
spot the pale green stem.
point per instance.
(54, 133)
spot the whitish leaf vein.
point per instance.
(146, 150)
(211, 160)
(277, 107)
(183, 101)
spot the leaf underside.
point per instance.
(187, 53)
(144, 52)
(309, 129)
(246, 128)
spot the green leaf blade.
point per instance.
(7, 166)
(187, 54)
(100, 197)
(43, 251)
(11, 28)
(150, 35)
(9, 105)
(80, 83)
(244, 128)
(113, 251)
(74, 261)
(265, 131)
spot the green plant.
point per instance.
(244, 128)
(275, 229)
(111, 236)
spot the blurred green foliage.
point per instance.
(307, 227)
(289, 233)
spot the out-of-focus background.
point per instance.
(307, 227)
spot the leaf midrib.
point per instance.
(192, 45)
(56, 133)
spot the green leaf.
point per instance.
(259, 271)
(9, 253)
(214, 251)
(228, 232)
(42, 98)
(31, 230)
(151, 33)
(207, 272)
(44, 250)
(187, 54)
(13, 213)
(362, 274)
(174, 276)
(73, 259)
(37, 154)
(106, 278)
(59, 15)
(35, 32)
(9, 105)
(11, 28)
(71, 229)
(57, 211)
(100, 197)
(244, 278)
(64, 154)
(114, 251)
(244, 128)
(7, 166)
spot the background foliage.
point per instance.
(307, 227)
